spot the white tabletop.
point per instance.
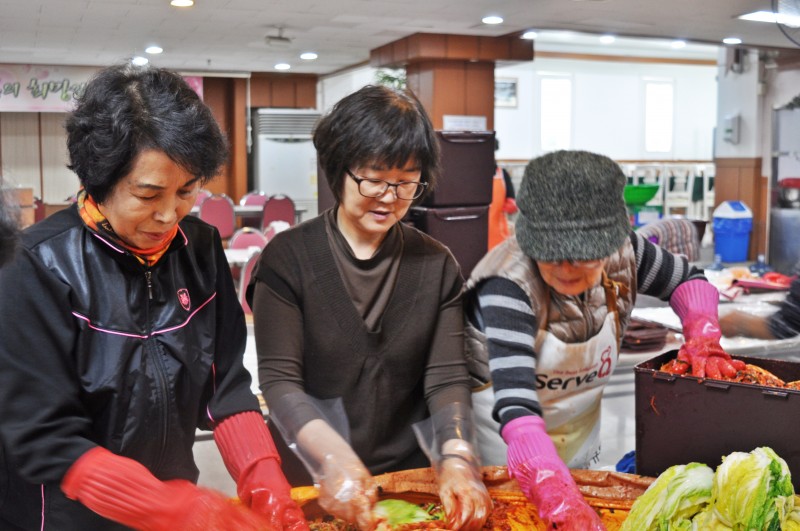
(239, 257)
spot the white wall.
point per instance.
(781, 88)
(608, 108)
(331, 89)
(740, 94)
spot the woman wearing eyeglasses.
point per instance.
(546, 311)
(359, 325)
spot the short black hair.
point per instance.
(126, 109)
(376, 125)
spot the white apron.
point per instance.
(570, 382)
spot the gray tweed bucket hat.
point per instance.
(571, 207)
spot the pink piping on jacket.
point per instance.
(113, 246)
(139, 336)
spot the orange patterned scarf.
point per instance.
(95, 220)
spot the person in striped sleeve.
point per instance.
(545, 313)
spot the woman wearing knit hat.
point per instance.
(545, 314)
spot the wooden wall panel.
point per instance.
(429, 46)
(740, 179)
(260, 91)
(20, 149)
(293, 91)
(450, 90)
(480, 89)
(454, 87)
(461, 47)
(58, 181)
(306, 94)
(283, 94)
(238, 184)
(218, 95)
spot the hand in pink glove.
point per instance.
(696, 303)
(251, 458)
(545, 479)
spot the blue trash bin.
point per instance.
(733, 223)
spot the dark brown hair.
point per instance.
(127, 109)
(376, 126)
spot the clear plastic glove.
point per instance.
(696, 303)
(347, 489)
(123, 490)
(446, 438)
(545, 479)
(465, 499)
(250, 455)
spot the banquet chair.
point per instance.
(257, 198)
(677, 195)
(217, 210)
(245, 238)
(244, 280)
(676, 235)
(278, 208)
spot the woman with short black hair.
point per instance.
(122, 333)
(357, 308)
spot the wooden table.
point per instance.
(239, 257)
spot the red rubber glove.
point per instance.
(696, 303)
(250, 455)
(545, 479)
(510, 205)
(123, 490)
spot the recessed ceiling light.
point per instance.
(181, 3)
(492, 19)
(139, 60)
(308, 56)
(153, 49)
(732, 40)
(607, 39)
(677, 45)
(283, 66)
(529, 35)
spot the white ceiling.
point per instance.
(229, 35)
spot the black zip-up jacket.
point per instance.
(98, 349)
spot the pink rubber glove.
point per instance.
(545, 479)
(251, 458)
(696, 303)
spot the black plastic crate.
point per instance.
(680, 419)
(465, 230)
(468, 168)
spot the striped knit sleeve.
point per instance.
(658, 271)
(510, 328)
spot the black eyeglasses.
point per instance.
(406, 190)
